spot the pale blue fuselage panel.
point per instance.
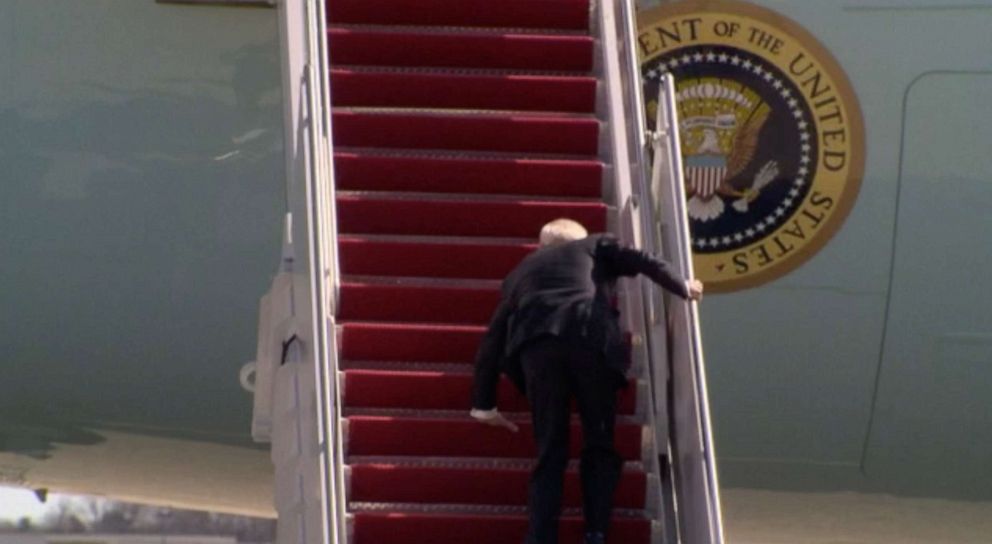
(141, 200)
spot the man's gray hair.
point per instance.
(560, 231)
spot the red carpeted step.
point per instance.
(557, 14)
(371, 341)
(444, 90)
(356, 171)
(421, 436)
(383, 482)
(365, 214)
(421, 390)
(362, 255)
(460, 49)
(519, 133)
(421, 528)
(371, 301)
(439, 391)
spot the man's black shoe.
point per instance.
(595, 538)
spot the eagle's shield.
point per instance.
(704, 173)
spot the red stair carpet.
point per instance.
(460, 127)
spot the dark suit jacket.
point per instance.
(564, 290)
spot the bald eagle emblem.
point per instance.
(720, 124)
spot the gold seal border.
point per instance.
(852, 187)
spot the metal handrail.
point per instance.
(323, 69)
(320, 134)
(637, 129)
(704, 523)
(643, 307)
(327, 280)
(632, 66)
(651, 304)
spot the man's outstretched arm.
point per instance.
(485, 381)
(627, 261)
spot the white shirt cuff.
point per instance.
(484, 414)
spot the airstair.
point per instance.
(427, 142)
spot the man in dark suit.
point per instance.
(556, 335)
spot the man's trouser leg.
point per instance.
(594, 385)
(545, 366)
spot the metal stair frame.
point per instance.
(305, 409)
(301, 419)
(649, 197)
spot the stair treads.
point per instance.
(421, 390)
(462, 127)
(375, 47)
(368, 301)
(551, 14)
(439, 391)
(421, 436)
(357, 171)
(420, 528)
(365, 255)
(372, 341)
(364, 214)
(520, 133)
(442, 90)
(383, 482)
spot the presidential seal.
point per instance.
(771, 134)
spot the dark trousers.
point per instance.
(556, 370)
